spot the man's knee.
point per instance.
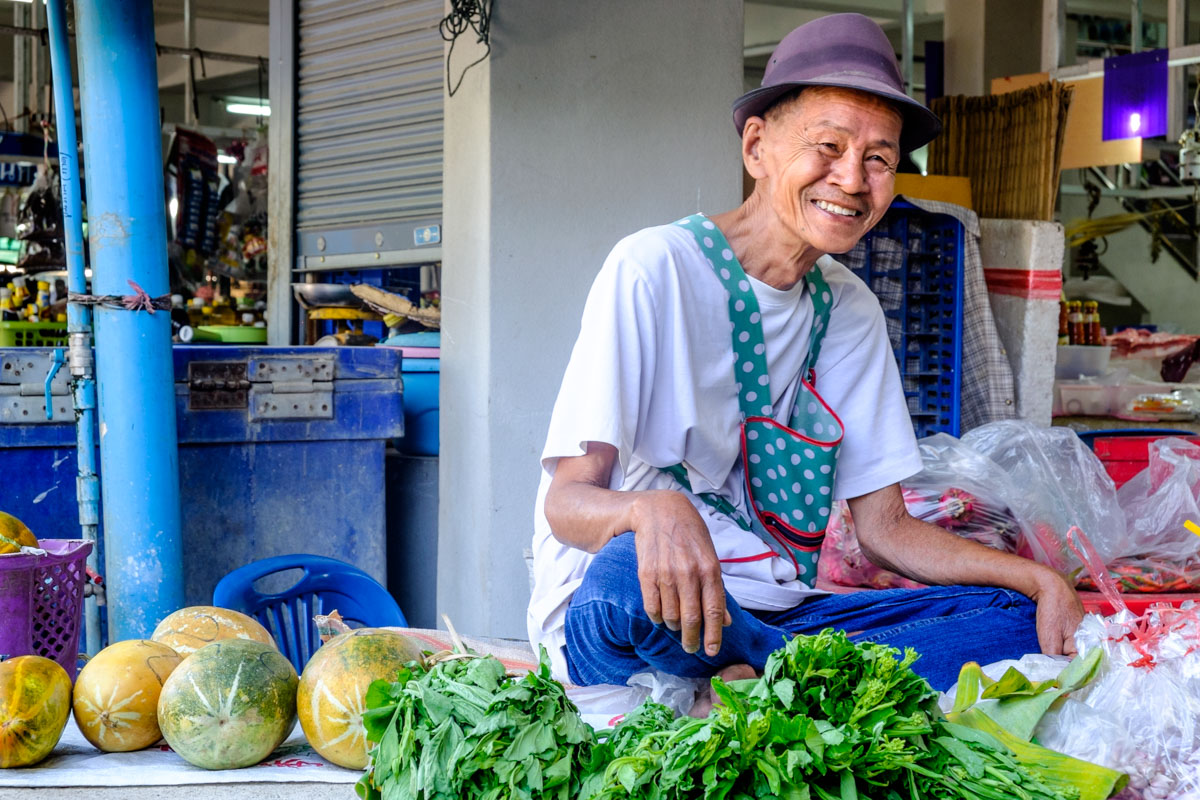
(617, 559)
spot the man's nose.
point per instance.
(849, 173)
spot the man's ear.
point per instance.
(752, 147)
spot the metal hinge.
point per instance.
(291, 388)
(217, 385)
(23, 391)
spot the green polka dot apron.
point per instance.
(789, 468)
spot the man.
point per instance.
(731, 380)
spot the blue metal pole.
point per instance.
(139, 458)
(79, 317)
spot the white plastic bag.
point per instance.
(1160, 498)
(1147, 687)
(1055, 482)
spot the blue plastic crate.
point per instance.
(913, 261)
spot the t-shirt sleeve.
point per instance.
(606, 386)
(858, 377)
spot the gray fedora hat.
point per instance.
(848, 51)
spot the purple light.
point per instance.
(1135, 95)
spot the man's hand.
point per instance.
(678, 569)
(1059, 613)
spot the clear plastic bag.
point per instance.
(1054, 481)
(1148, 684)
(957, 489)
(1158, 500)
(843, 562)
(1147, 687)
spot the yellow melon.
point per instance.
(116, 694)
(330, 700)
(188, 629)
(14, 535)
(35, 703)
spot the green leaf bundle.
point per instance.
(829, 720)
(464, 729)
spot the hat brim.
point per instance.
(919, 125)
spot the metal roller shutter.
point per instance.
(368, 117)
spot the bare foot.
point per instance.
(705, 702)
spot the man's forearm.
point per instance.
(891, 538)
(587, 517)
(929, 554)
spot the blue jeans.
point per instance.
(610, 638)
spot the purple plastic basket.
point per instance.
(41, 601)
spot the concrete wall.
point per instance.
(587, 122)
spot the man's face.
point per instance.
(829, 158)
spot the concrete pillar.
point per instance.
(1028, 252)
(987, 39)
(587, 122)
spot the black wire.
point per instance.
(466, 15)
(262, 65)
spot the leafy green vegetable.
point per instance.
(465, 729)
(1018, 703)
(829, 720)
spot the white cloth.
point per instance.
(652, 375)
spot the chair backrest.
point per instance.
(326, 584)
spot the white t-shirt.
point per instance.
(652, 375)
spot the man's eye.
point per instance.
(829, 147)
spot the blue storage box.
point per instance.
(422, 373)
(913, 262)
(421, 407)
(290, 459)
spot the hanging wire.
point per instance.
(466, 15)
(262, 67)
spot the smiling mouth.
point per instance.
(834, 208)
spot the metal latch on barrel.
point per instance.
(270, 388)
(23, 390)
(291, 388)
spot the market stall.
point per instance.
(1056, 424)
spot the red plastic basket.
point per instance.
(41, 601)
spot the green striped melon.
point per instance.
(333, 689)
(229, 704)
(35, 704)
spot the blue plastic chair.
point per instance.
(326, 584)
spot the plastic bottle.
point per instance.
(195, 313)
(223, 313)
(7, 312)
(179, 315)
(20, 293)
(1091, 320)
(1064, 326)
(1075, 320)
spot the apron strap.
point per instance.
(749, 347)
(822, 300)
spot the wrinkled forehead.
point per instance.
(812, 102)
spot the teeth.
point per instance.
(836, 209)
